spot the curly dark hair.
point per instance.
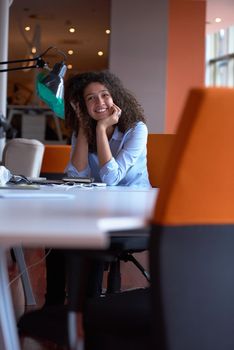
(132, 112)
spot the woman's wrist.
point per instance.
(101, 128)
(81, 132)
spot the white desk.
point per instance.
(83, 219)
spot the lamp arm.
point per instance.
(29, 59)
(18, 68)
(40, 63)
(18, 61)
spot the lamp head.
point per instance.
(50, 88)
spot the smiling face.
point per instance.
(98, 101)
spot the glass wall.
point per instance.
(220, 58)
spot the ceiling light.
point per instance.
(34, 50)
(100, 53)
(27, 28)
(70, 52)
(108, 31)
(218, 19)
(72, 30)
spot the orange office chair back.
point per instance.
(56, 158)
(192, 237)
(159, 147)
(199, 182)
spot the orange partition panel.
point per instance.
(185, 58)
(56, 158)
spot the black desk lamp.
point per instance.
(50, 87)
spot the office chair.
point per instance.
(55, 160)
(190, 301)
(159, 147)
(23, 157)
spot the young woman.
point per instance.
(108, 143)
(109, 131)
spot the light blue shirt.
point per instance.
(128, 166)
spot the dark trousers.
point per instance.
(56, 273)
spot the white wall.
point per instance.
(138, 51)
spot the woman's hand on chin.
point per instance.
(112, 119)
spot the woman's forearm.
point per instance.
(103, 148)
(80, 154)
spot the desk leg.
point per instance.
(7, 318)
(19, 256)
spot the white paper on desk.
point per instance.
(36, 194)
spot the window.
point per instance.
(220, 58)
